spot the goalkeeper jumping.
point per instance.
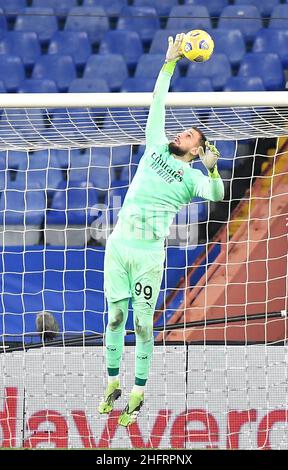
(134, 256)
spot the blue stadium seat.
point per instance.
(3, 21)
(120, 183)
(111, 7)
(73, 205)
(110, 67)
(19, 207)
(23, 44)
(163, 7)
(40, 174)
(231, 43)
(267, 66)
(79, 166)
(214, 6)
(61, 157)
(30, 85)
(159, 42)
(264, 6)
(73, 43)
(59, 68)
(12, 71)
(135, 84)
(273, 40)
(39, 20)
(244, 84)
(61, 8)
(98, 159)
(92, 20)
(121, 155)
(144, 20)
(189, 84)
(187, 17)
(125, 43)
(12, 7)
(101, 173)
(46, 160)
(111, 156)
(149, 66)
(138, 154)
(244, 17)
(89, 85)
(218, 69)
(127, 175)
(279, 17)
(2, 87)
(16, 160)
(6, 173)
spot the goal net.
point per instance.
(219, 370)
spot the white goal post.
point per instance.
(66, 161)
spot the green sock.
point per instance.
(140, 382)
(117, 316)
(144, 351)
(114, 349)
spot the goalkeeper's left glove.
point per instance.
(174, 52)
(209, 157)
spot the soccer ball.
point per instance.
(197, 45)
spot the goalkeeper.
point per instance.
(134, 257)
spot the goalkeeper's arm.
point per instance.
(155, 127)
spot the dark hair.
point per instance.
(202, 139)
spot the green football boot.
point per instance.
(112, 393)
(131, 411)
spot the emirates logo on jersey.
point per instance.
(164, 170)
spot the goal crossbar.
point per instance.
(195, 99)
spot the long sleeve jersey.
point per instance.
(162, 183)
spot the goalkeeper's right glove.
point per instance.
(209, 157)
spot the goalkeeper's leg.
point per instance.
(117, 290)
(117, 317)
(143, 321)
(144, 298)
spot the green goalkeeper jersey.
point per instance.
(162, 183)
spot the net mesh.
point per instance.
(83, 127)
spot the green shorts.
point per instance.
(133, 271)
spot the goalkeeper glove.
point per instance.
(174, 48)
(209, 157)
